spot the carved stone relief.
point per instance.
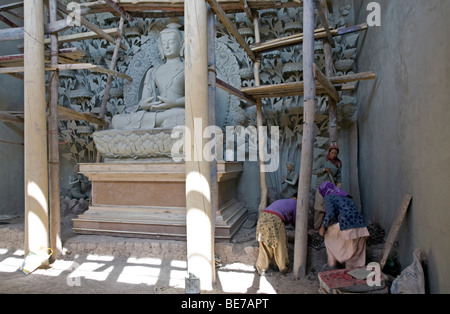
(83, 90)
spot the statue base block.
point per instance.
(148, 200)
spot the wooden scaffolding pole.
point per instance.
(55, 202)
(212, 76)
(329, 71)
(259, 123)
(112, 67)
(199, 213)
(309, 110)
(35, 130)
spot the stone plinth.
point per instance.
(149, 200)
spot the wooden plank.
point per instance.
(298, 38)
(86, 66)
(93, 28)
(17, 33)
(231, 28)
(325, 82)
(234, 91)
(6, 116)
(120, 10)
(84, 36)
(323, 16)
(395, 229)
(296, 88)
(17, 59)
(69, 114)
(7, 21)
(177, 6)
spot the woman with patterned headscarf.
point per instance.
(343, 227)
(328, 169)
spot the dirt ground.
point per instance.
(125, 267)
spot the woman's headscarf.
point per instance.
(337, 162)
(327, 188)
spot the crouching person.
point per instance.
(271, 234)
(343, 227)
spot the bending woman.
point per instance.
(344, 228)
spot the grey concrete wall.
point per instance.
(404, 127)
(11, 155)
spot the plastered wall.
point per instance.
(404, 128)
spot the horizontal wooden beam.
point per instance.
(298, 38)
(11, 6)
(325, 83)
(69, 114)
(296, 88)
(87, 66)
(93, 28)
(176, 7)
(11, 117)
(73, 66)
(63, 114)
(234, 91)
(120, 10)
(17, 32)
(17, 59)
(83, 36)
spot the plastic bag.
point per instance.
(412, 279)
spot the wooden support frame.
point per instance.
(53, 149)
(296, 88)
(93, 28)
(323, 16)
(326, 83)
(18, 32)
(120, 10)
(231, 28)
(305, 176)
(298, 38)
(329, 70)
(395, 228)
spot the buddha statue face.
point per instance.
(171, 43)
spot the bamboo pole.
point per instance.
(212, 109)
(55, 202)
(329, 71)
(259, 123)
(112, 67)
(35, 129)
(301, 231)
(199, 216)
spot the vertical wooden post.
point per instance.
(199, 216)
(212, 106)
(259, 123)
(112, 67)
(301, 230)
(55, 202)
(35, 129)
(329, 71)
